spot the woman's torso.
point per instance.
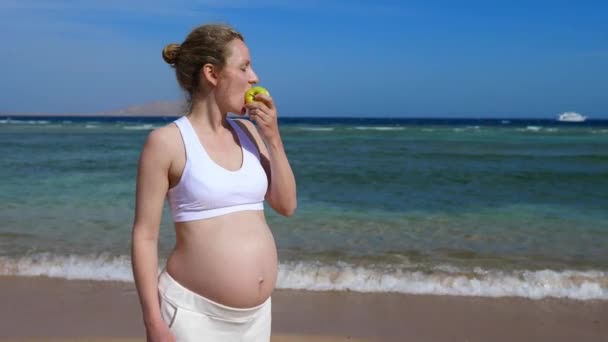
(230, 258)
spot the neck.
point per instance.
(206, 114)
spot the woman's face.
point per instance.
(235, 78)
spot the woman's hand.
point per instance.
(159, 333)
(263, 112)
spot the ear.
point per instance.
(209, 73)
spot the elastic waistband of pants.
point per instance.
(184, 298)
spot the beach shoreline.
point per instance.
(52, 309)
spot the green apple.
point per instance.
(251, 93)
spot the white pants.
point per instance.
(194, 318)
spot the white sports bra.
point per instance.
(206, 189)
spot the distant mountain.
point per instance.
(156, 108)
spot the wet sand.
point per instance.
(36, 309)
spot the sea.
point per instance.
(467, 207)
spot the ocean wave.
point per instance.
(25, 122)
(316, 129)
(465, 129)
(378, 128)
(530, 129)
(99, 267)
(447, 280)
(141, 127)
(342, 276)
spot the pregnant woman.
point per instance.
(216, 173)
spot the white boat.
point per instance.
(571, 117)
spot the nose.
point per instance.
(253, 78)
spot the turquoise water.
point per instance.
(456, 207)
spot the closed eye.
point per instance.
(245, 66)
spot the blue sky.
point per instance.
(478, 59)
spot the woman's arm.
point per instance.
(281, 194)
(152, 187)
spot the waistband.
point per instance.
(176, 294)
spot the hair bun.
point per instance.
(170, 53)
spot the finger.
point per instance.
(258, 105)
(266, 99)
(256, 116)
(253, 104)
(259, 115)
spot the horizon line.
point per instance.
(156, 116)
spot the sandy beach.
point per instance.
(46, 309)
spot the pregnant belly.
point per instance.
(234, 264)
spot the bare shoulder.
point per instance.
(164, 137)
(252, 131)
(163, 142)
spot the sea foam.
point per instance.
(342, 276)
(141, 127)
(25, 122)
(378, 128)
(316, 129)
